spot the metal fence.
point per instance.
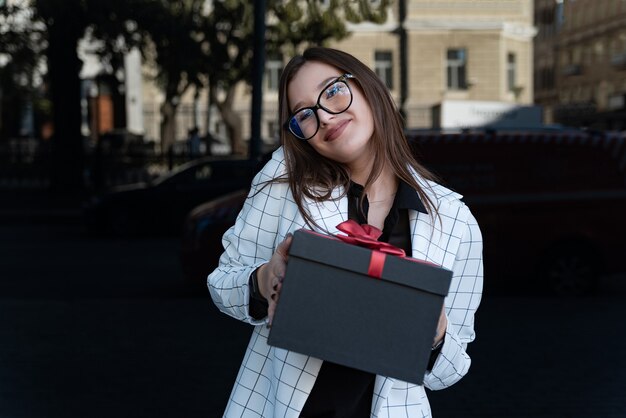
(25, 164)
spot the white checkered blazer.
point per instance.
(273, 382)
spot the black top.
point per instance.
(340, 391)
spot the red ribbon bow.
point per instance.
(367, 236)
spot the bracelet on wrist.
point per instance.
(438, 345)
(254, 286)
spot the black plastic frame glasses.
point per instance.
(292, 123)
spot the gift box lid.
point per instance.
(329, 250)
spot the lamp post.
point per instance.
(403, 47)
(258, 67)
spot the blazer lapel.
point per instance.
(419, 246)
(330, 213)
(424, 238)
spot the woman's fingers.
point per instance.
(441, 325)
(272, 303)
(275, 273)
(271, 309)
(283, 247)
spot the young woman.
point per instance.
(343, 156)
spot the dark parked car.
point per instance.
(160, 207)
(201, 244)
(550, 203)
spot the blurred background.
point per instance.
(130, 131)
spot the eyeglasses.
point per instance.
(335, 98)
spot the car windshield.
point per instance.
(203, 170)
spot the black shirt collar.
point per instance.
(407, 198)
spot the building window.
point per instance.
(457, 69)
(510, 71)
(383, 66)
(546, 79)
(560, 14)
(274, 69)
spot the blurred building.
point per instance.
(427, 52)
(110, 100)
(454, 50)
(580, 62)
(431, 52)
(548, 21)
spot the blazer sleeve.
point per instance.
(248, 244)
(461, 304)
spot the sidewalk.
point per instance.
(93, 327)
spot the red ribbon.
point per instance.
(367, 236)
(377, 262)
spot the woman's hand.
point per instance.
(270, 276)
(441, 327)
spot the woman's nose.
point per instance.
(324, 116)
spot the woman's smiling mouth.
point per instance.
(336, 131)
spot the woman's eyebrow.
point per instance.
(323, 83)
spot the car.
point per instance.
(550, 203)
(159, 207)
(201, 242)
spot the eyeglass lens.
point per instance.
(334, 99)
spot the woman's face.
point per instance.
(343, 137)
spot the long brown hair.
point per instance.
(313, 176)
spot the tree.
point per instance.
(64, 29)
(173, 41)
(169, 35)
(291, 24)
(189, 45)
(21, 46)
(119, 25)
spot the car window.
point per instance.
(223, 171)
(203, 173)
(188, 175)
(523, 162)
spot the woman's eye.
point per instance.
(304, 115)
(333, 90)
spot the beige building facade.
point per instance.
(478, 50)
(460, 50)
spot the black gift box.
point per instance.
(331, 309)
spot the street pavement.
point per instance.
(93, 327)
